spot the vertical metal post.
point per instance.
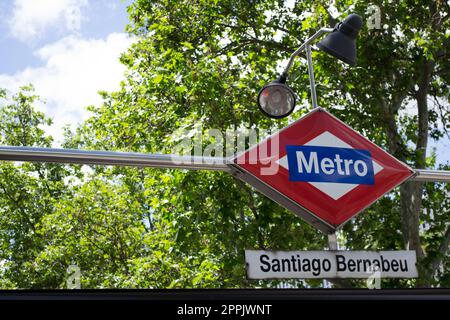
(312, 83)
(332, 241)
(332, 245)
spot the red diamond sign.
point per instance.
(321, 169)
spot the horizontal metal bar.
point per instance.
(112, 158)
(151, 160)
(431, 175)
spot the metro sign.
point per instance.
(321, 169)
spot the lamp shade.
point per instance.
(341, 43)
(276, 100)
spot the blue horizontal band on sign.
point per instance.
(330, 164)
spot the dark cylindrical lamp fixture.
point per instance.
(341, 43)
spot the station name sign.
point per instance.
(263, 264)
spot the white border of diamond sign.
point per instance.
(262, 264)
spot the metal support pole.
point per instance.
(332, 241)
(312, 83)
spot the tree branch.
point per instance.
(332, 20)
(251, 205)
(443, 112)
(395, 144)
(19, 206)
(423, 114)
(241, 44)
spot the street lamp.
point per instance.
(277, 100)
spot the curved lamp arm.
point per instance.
(306, 46)
(308, 41)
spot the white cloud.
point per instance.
(74, 70)
(30, 18)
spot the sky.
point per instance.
(68, 49)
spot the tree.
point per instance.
(182, 73)
(28, 192)
(404, 65)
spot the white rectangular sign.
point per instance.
(263, 264)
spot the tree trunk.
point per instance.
(411, 192)
(410, 204)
